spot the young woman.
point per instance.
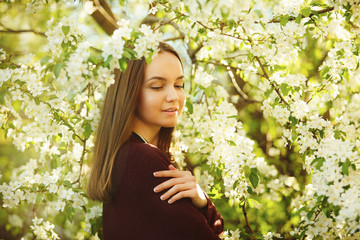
(144, 195)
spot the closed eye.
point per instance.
(156, 88)
(180, 86)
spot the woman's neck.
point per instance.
(151, 135)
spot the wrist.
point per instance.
(201, 200)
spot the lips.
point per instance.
(173, 109)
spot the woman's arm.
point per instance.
(183, 185)
(181, 218)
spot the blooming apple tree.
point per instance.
(271, 125)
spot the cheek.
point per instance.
(182, 99)
(148, 102)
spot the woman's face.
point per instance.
(162, 95)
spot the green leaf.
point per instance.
(65, 29)
(190, 107)
(16, 105)
(306, 11)
(53, 164)
(37, 100)
(38, 198)
(57, 69)
(293, 120)
(127, 55)
(67, 183)
(249, 190)
(88, 105)
(353, 166)
(57, 117)
(131, 51)
(123, 64)
(70, 212)
(96, 225)
(254, 179)
(252, 202)
(284, 20)
(319, 162)
(259, 13)
(345, 167)
(45, 60)
(50, 197)
(235, 183)
(20, 83)
(234, 116)
(247, 171)
(149, 59)
(285, 89)
(298, 19)
(87, 131)
(2, 96)
(310, 213)
(231, 143)
(107, 62)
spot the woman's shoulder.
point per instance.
(139, 151)
(139, 148)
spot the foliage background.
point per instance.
(271, 125)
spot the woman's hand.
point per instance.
(182, 184)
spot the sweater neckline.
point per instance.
(139, 137)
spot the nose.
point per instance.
(172, 95)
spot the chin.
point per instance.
(168, 125)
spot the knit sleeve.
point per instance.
(179, 220)
(212, 216)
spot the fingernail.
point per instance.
(162, 197)
(155, 174)
(155, 189)
(170, 201)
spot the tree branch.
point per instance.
(192, 53)
(173, 38)
(104, 17)
(81, 163)
(246, 219)
(268, 78)
(234, 77)
(167, 22)
(150, 19)
(302, 16)
(9, 30)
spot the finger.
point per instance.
(171, 167)
(172, 173)
(169, 183)
(180, 195)
(176, 180)
(169, 173)
(176, 189)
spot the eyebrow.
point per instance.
(163, 79)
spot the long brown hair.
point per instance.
(116, 123)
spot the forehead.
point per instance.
(166, 65)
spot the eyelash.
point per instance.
(177, 86)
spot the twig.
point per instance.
(232, 75)
(173, 38)
(302, 16)
(268, 78)
(192, 53)
(246, 219)
(8, 30)
(81, 163)
(168, 22)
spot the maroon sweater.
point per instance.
(137, 212)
